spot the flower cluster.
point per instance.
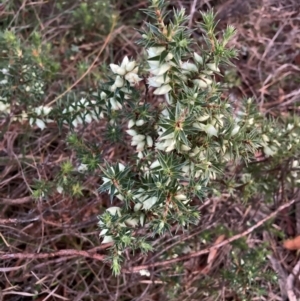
(42, 112)
(158, 69)
(4, 106)
(127, 71)
(83, 111)
(140, 141)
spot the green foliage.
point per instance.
(92, 15)
(245, 275)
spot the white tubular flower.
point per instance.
(133, 78)
(185, 169)
(88, 118)
(131, 123)
(137, 207)
(269, 152)
(138, 138)
(115, 105)
(153, 65)
(82, 167)
(169, 57)
(157, 81)
(4, 82)
(162, 90)
(119, 82)
(46, 110)
(132, 222)
(130, 66)
(59, 189)
(77, 121)
(155, 51)
(114, 210)
(103, 95)
(125, 62)
(40, 123)
(117, 69)
(126, 90)
(160, 146)
(203, 118)
(107, 239)
(211, 130)
(4, 71)
(204, 82)
(131, 132)
(147, 204)
(134, 142)
(24, 116)
(140, 122)
(4, 107)
(169, 136)
(265, 138)
(113, 88)
(161, 69)
(140, 146)
(120, 197)
(180, 197)
(235, 130)
(184, 148)
(155, 164)
(149, 141)
(144, 273)
(213, 67)
(170, 145)
(82, 101)
(166, 145)
(189, 67)
(198, 58)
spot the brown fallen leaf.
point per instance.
(292, 244)
(211, 256)
(213, 252)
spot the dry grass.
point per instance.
(50, 249)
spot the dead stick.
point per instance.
(67, 252)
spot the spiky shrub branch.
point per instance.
(182, 142)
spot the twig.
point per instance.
(19, 201)
(207, 250)
(290, 282)
(67, 252)
(192, 12)
(282, 276)
(7, 221)
(297, 212)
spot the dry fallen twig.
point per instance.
(282, 275)
(68, 252)
(290, 282)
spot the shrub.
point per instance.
(184, 136)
